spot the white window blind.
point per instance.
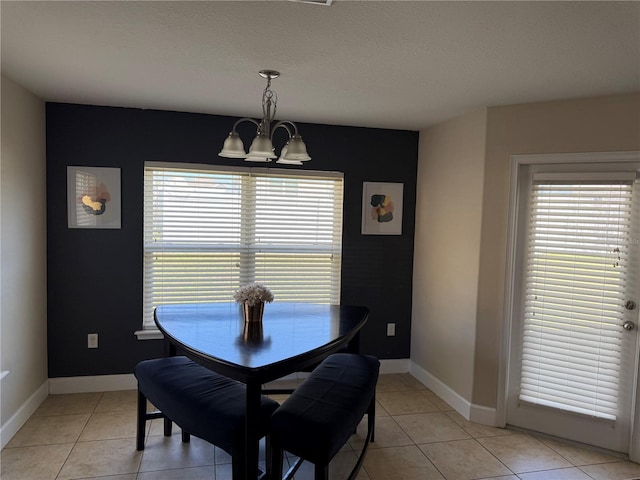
(574, 292)
(208, 230)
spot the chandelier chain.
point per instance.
(269, 99)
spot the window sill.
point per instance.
(149, 334)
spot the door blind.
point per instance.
(209, 230)
(576, 267)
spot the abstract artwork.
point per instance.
(382, 208)
(93, 197)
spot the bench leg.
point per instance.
(238, 461)
(142, 421)
(321, 472)
(371, 424)
(267, 455)
(274, 465)
(186, 438)
(167, 427)
(371, 418)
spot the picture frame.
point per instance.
(93, 197)
(382, 208)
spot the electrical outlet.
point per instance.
(92, 340)
(391, 329)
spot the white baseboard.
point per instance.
(484, 415)
(96, 383)
(459, 403)
(108, 383)
(105, 383)
(475, 413)
(18, 419)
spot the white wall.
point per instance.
(23, 274)
(447, 250)
(597, 124)
(461, 231)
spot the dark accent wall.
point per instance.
(95, 276)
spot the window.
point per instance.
(208, 230)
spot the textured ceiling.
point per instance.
(402, 65)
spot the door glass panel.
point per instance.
(576, 269)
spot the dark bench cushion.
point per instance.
(323, 412)
(203, 403)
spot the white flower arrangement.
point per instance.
(252, 294)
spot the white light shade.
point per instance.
(233, 147)
(283, 157)
(256, 158)
(295, 150)
(288, 162)
(261, 147)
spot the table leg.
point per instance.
(251, 430)
(170, 349)
(354, 344)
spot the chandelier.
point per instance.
(294, 151)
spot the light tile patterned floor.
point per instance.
(418, 436)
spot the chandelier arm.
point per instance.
(282, 124)
(245, 119)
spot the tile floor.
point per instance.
(418, 436)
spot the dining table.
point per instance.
(290, 338)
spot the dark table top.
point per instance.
(291, 336)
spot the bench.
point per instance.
(322, 413)
(201, 402)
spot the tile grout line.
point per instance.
(429, 460)
(564, 457)
(494, 456)
(467, 430)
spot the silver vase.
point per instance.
(253, 313)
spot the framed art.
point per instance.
(382, 208)
(93, 197)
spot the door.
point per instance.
(574, 343)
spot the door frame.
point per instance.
(517, 162)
